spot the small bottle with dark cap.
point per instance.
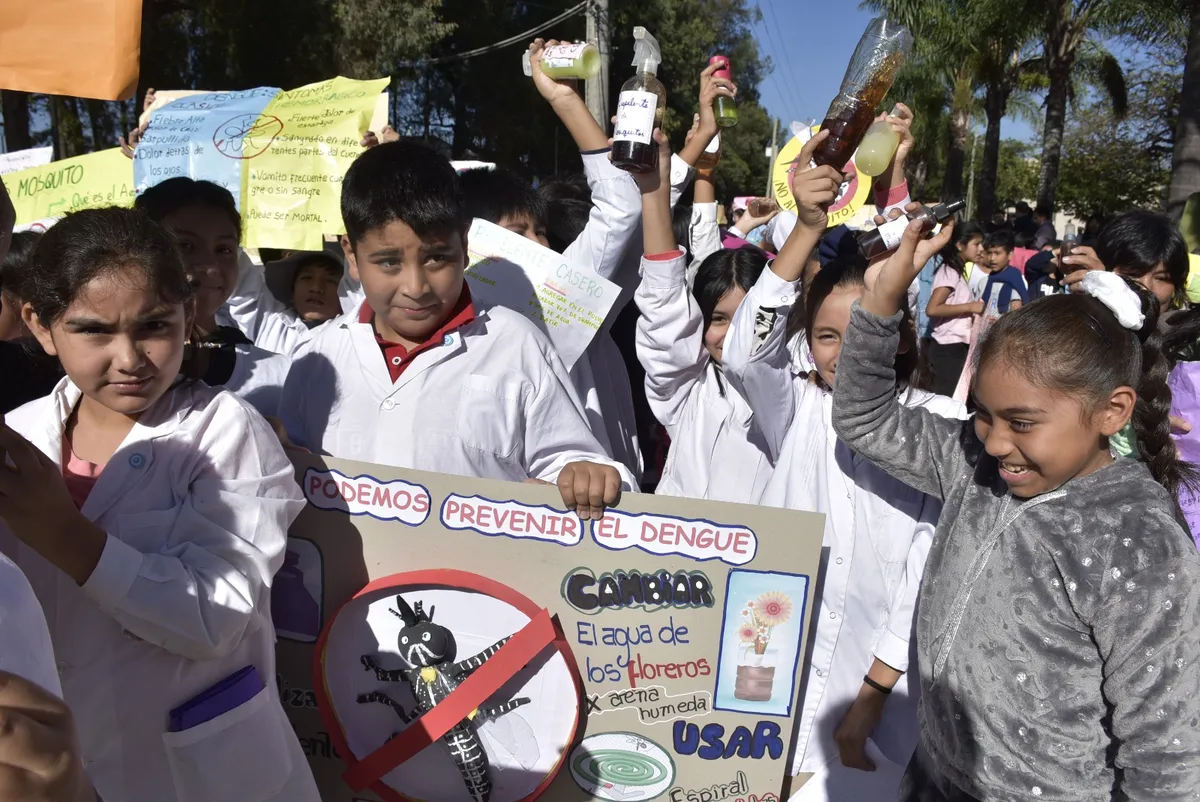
(887, 237)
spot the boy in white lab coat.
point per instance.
(420, 376)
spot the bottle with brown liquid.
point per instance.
(640, 108)
(877, 59)
(887, 237)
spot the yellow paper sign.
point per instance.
(850, 198)
(84, 182)
(292, 179)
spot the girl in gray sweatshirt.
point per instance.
(1058, 623)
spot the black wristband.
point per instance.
(881, 688)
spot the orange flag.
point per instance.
(85, 48)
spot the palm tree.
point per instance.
(1069, 41)
(978, 46)
(1185, 163)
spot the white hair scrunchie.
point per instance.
(1112, 291)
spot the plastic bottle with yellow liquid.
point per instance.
(568, 60)
(877, 148)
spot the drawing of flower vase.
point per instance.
(756, 659)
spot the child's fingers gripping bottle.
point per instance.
(869, 76)
(724, 108)
(568, 60)
(640, 108)
(877, 149)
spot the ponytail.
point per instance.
(1152, 413)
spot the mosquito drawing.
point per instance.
(427, 650)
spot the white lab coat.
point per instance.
(704, 237)
(258, 377)
(271, 324)
(877, 536)
(196, 503)
(493, 401)
(600, 377)
(715, 451)
(25, 648)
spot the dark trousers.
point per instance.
(946, 363)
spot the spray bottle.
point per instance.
(640, 108)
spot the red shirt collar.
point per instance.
(398, 357)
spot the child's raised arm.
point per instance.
(616, 204)
(260, 315)
(670, 330)
(756, 355)
(914, 445)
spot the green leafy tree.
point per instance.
(1185, 164)
(1071, 50)
(1106, 168)
(371, 43)
(1016, 173)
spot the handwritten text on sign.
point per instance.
(365, 495)
(567, 302)
(663, 534)
(511, 519)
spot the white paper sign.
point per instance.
(22, 159)
(566, 301)
(635, 117)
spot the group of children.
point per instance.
(1000, 593)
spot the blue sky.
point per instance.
(810, 42)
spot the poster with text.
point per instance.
(282, 154)
(654, 654)
(16, 160)
(46, 193)
(566, 301)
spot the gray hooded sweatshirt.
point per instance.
(1058, 637)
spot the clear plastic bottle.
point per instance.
(711, 155)
(569, 60)
(640, 108)
(876, 60)
(877, 149)
(879, 241)
(725, 108)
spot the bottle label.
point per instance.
(561, 56)
(892, 232)
(635, 117)
(714, 145)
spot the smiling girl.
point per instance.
(150, 514)
(715, 452)
(1058, 617)
(857, 722)
(207, 228)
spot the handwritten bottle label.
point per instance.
(561, 56)
(635, 117)
(893, 231)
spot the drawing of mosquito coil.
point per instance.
(756, 664)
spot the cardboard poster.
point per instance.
(281, 154)
(67, 47)
(23, 159)
(43, 194)
(566, 301)
(657, 652)
(851, 199)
